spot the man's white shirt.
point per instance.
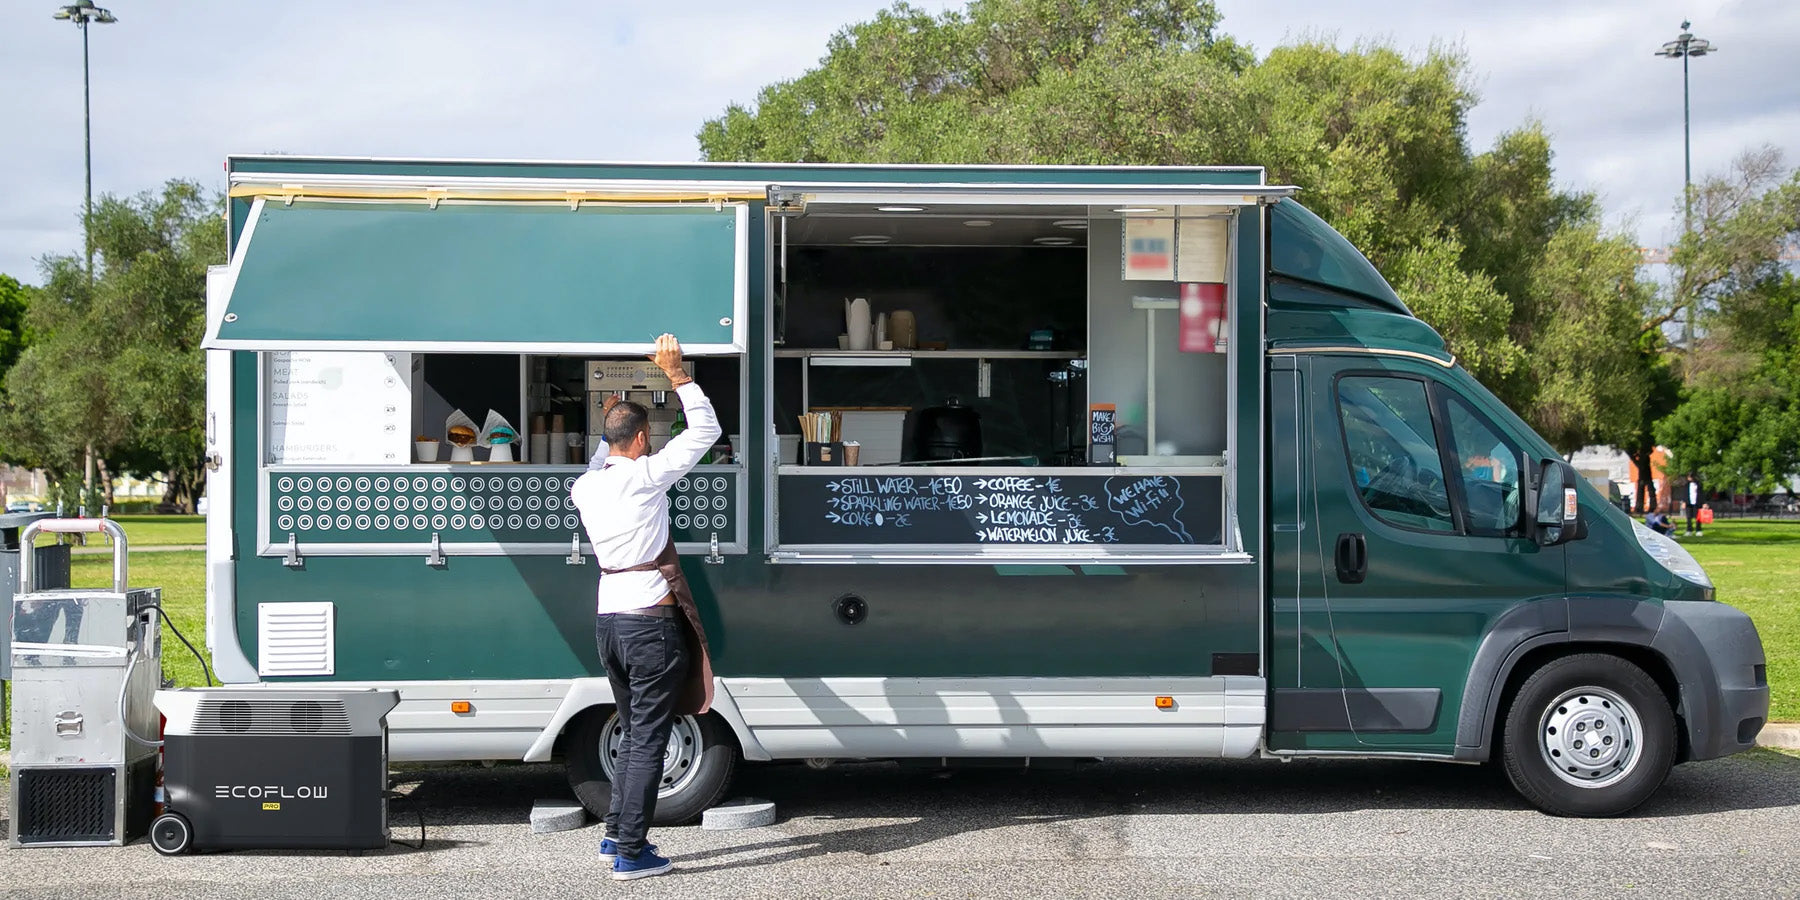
(624, 506)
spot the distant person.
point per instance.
(1693, 504)
(1659, 523)
(648, 629)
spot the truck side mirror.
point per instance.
(1558, 514)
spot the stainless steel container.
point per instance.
(86, 667)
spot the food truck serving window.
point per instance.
(1026, 376)
(480, 276)
(430, 375)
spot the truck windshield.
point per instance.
(1302, 246)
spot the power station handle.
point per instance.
(71, 526)
(1352, 557)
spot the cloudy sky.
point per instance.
(178, 86)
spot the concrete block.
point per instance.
(744, 812)
(548, 816)
(1783, 735)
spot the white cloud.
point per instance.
(177, 87)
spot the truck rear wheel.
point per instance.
(1588, 735)
(697, 765)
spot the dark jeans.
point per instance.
(1693, 517)
(646, 660)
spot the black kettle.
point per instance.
(951, 431)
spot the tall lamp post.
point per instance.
(1683, 47)
(82, 13)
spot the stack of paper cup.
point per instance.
(559, 443)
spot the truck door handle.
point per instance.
(1352, 557)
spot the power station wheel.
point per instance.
(171, 834)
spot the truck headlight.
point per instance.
(1670, 554)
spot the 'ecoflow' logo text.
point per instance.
(272, 792)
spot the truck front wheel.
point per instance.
(1588, 735)
(697, 765)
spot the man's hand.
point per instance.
(607, 405)
(668, 358)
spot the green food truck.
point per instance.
(1020, 463)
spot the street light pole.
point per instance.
(82, 13)
(1683, 47)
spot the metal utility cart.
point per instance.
(86, 665)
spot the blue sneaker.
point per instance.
(609, 850)
(644, 865)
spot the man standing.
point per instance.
(1693, 504)
(648, 628)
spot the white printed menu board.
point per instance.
(339, 408)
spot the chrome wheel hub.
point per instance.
(1589, 737)
(681, 757)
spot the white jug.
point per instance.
(856, 322)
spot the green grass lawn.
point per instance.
(1756, 566)
(161, 531)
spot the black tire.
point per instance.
(171, 834)
(714, 762)
(1583, 693)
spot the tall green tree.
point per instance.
(1738, 424)
(1377, 142)
(14, 300)
(115, 364)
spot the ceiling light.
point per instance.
(1054, 241)
(1138, 209)
(901, 208)
(978, 223)
(1076, 224)
(870, 238)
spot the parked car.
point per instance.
(20, 506)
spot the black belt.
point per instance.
(665, 611)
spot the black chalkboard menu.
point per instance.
(854, 508)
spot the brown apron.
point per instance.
(697, 690)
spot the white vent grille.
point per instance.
(295, 639)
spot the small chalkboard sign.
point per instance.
(859, 508)
(1101, 421)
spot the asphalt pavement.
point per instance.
(1127, 828)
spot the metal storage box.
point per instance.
(86, 664)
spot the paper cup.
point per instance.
(852, 450)
(500, 453)
(843, 342)
(427, 450)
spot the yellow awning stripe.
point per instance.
(289, 193)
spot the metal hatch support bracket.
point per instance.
(293, 560)
(712, 556)
(575, 558)
(436, 558)
(783, 204)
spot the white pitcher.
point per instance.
(856, 323)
